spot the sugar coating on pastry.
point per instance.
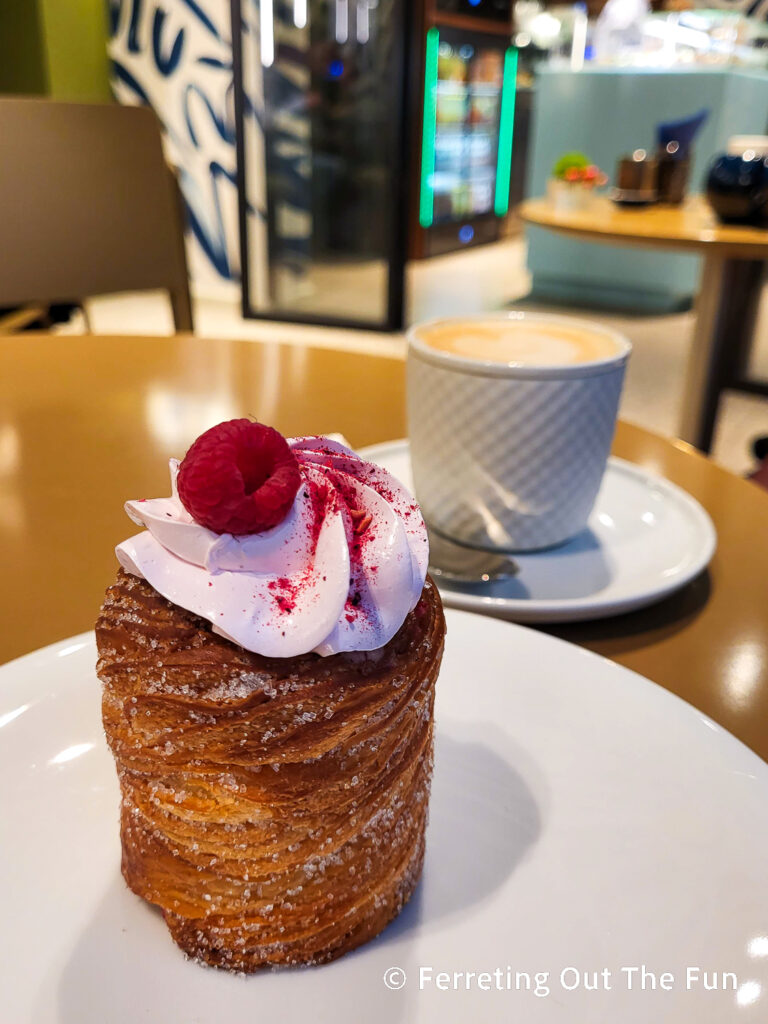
(274, 806)
(274, 809)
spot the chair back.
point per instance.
(88, 205)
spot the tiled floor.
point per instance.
(482, 279)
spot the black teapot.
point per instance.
(737, 188)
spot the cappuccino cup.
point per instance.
(511, 418)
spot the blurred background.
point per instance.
(348, 167)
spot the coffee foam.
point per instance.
(520, 342)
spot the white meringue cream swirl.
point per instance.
(340, 573)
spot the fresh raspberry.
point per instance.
(239, 477)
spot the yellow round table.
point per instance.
(728, 296)
(88, 422)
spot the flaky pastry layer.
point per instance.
(273, 808)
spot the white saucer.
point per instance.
(645, 538)
(580, 817)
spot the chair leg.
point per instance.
(181, 304)
(86, 318)
(181, 307)
(17, 320)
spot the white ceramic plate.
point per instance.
(581, 817)
(645, 539)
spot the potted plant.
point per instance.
(573, 182)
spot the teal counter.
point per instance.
(606, 113)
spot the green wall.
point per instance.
(22, 69)
(75, 33)
(56, 48)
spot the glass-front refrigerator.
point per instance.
(320, 89)
(469, 76)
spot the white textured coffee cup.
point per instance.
(506, 456)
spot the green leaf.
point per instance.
(569, 160)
